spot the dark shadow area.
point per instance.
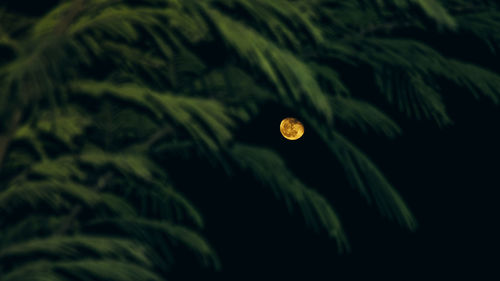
(447, 177)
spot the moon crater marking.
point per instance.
(291, 128)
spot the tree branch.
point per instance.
(157, 136)
(101, 183)
(386, 27)
(6, 138)
(77, 7)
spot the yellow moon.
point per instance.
(291, 128)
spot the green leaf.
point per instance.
(74, 247)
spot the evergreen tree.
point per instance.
(96, 94)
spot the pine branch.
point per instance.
(7, 137)
(385, 27)
(101, 183)
(77, 7)
(157, 136)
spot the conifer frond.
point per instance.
(116, 22)
(412, 95)
(414, 83)
(31, 227)
(54, 44)
(7, 41)
(236, 89)
(270, 169)
(156, 198)
(127, 162)
(29, 135)
(99, 269)
(161, 200)
(284, 22)
(363, 115)
(62, 126)
(133, 94)
(47, 24)
(114, 123)
(30, 77)
(73, 248)
(82, 270)
(293, 79)
(484, 25)
(129, 59)
(40, 271)
(106, 17)
(189, 22)
(364, 175)
(329, 79)
(206, 120)
(182, 206)
(479, 81)
(436, 11)
(156, 233)
(58, 195)
(432, 8)
(62, 168)
(65, 126)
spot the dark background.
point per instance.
(448, 177)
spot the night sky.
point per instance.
(447, 176)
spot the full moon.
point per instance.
(291, 128)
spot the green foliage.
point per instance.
(81, 270)
(206, 120)
(289, 75)
(270, 169)
(362, 115)
(363, 174)
(91, 91)
(58, 195)
(163, 236)
(71, 247)
(436, 11)
(409, 74)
